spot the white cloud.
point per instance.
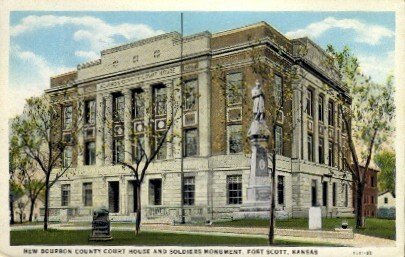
(378, 67)
(32, 84)
(365, 33)
(88, 55)
(95, 31)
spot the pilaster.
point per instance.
(316, 125)
(100, 106)
(204, 106)
(80, 130)
(108, 128)
(127, 124)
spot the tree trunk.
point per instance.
(21, 217)
(32, 209)
(138, 209)
(272, 200)
(11, 212)
(46, 213)
(359, 205)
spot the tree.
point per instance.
(37, 134)
(367, 122)
(16, 192)
(27, 173)
(21, 208)
(385, 160)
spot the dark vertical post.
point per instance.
(181, 118)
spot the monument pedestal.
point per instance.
(257, 204)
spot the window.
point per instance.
(234, 189)
(90, 153)
(190, 144)
(310, 148)
(334, 194)
(279, 140)
(90, 112)
(320, 108)
(325, 193)
(190, 95)
(278, 90)
(188, 190)
(338, 116)
(309, 102)
(65, 195)
(372, 182)
(160, 99)
(138, 104)
(135, 58)
(161, 155)
(280, 190)
(372, 199)
(67, 117)
(235, 139)
(87, 194)
(331, 114)
(67, 157)
(139, 146)
(234, 88)
(118, 151)
(314, 193)
(155, 191)
(331, 154)
(385, 200)
(321, 152)
(346, 203)
(118, 108)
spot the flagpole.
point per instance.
(182, 132)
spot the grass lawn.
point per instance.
(67, 237)
(374, 227)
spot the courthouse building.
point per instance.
(217, 68)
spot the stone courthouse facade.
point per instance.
(216, 152)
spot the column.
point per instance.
(108, 129)
(127, 125)
(204, 110)
(304, 124)
(335, 130)
(80, 131)
(326, 130)
(99, 129)
(297, 121)
(316, 125)
(169, 119)
(148, 112)
(177, 129)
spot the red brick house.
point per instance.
(370, 195)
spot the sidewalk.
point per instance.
(358, 240)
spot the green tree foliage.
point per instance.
(368, 122)
(36, 135)
(385, 159)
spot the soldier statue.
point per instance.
(258, 102)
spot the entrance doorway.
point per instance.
(113, 196)
(132, 196)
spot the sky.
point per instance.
(44, 44)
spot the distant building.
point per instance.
(370, 195)
(386, 200)
(310, 138)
